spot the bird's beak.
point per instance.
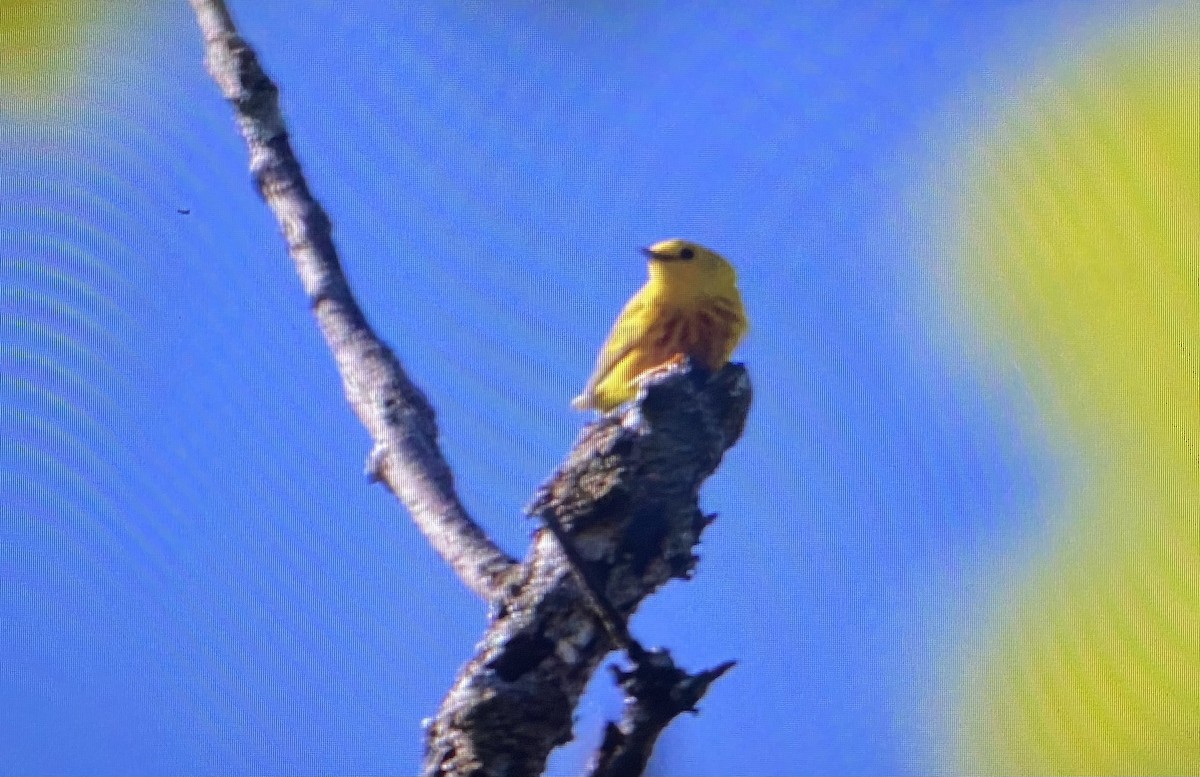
(655, 256)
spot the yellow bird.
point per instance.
(690, 306)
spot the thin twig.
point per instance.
(613, 622)
(395, 412)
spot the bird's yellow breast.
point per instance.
(707, 330)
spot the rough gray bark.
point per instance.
(395, 412)
(627, 496)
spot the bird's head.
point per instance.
(682, 265)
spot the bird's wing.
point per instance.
(621, 340)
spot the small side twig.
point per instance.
(656, 691)
(395, 412)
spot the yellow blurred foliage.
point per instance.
(1080, 245)
(41, 42)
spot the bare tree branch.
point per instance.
(627, 497)
(395, 412)
(622, 509)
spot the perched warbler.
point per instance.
(690, 306)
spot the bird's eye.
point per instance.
(687, 253)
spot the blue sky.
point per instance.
(195, 576)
